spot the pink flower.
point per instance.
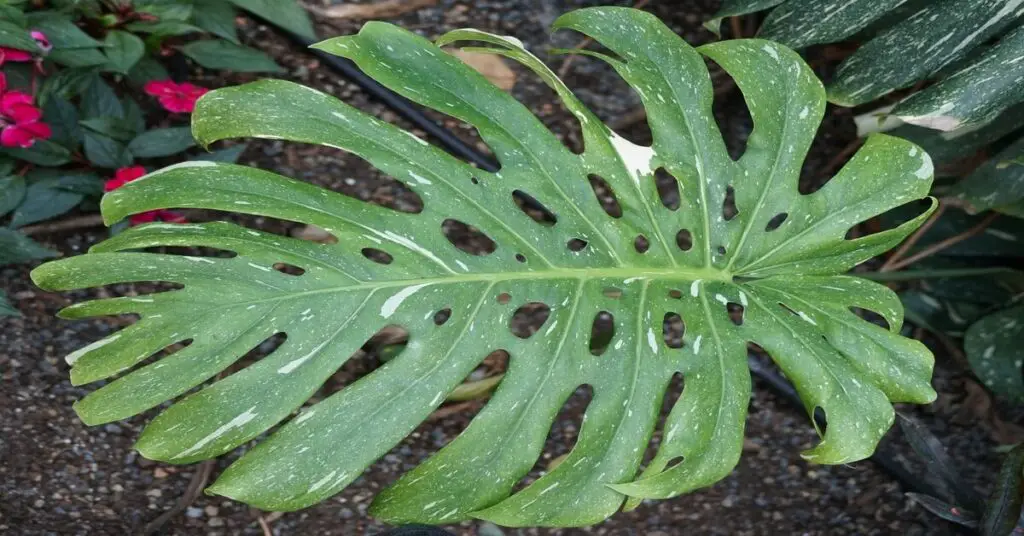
(16, 55)
(175, 97)
(19, 119)
(128, 174)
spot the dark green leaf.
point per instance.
(287, 14)
(226, 55)
(62, 116)
(6, 309)
(113, 127)
(61, 31)
(163, 28)
(945, 510)
(147, 70)
(41, 153)
(16, 248)
(939, 34)
(134, 116)
(67, 84)
(229, 155)
(974, 95)
(14, 36)
(13, 14)
(12, 191)
(1004, 507)
(99, 100)
(218, 18)
(995, 348)
(43, 202)
(162, 142)
(808, 22)
(733, 8)
(106, 152)
(938, 462)
(81, 182)
(77, 57)
(123, 51)
(994, 184)
(166, 11)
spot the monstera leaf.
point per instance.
(779, 260)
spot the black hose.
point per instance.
(396, 102)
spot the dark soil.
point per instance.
(59, 477)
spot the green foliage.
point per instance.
(654, 261)
(971, 50)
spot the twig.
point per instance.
(79, 222)
(909, 243)
(947, 243)
(265, 526)
(841, 157)
(737, 30)
(195, 487)
(446, 411)
(569, 58)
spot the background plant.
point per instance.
(769, 272)
(948, 75)
(91, 71)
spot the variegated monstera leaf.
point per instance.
(779, 259)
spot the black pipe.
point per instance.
(396, 102)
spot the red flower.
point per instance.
(175, 97)
(19, 119)
(128, 174)
(13, 54)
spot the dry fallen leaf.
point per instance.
(489, 65)
(314, 234)
(375, 10)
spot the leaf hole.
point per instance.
(871, 316)
(528, 319)
(467, 238)
(672, 330)
(641, 244)
(520, 257)
(729, 209)
(786, 307)
(533, 208)
(564, 429)
(736, 312)
(289, 269)
(721, 250)
(376, 255)
(442, 316)
(673, 462)
(684, 240)
(730, 111)
(668, 188)
(612, 292)
(378, 188)
(474, 180)
(504, 298)
(605, 196)
(601, 332)
(675, 294)
(576, 244)
(776, 221)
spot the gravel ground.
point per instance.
(60, 477)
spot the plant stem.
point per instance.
(909, 243)
(947, 243)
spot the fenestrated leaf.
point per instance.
(797, 305)
(975, 94)
(994, 184)
(800, 23)
(937, 35)
(995, 348)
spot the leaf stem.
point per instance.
(947, 243)
(909, 243)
